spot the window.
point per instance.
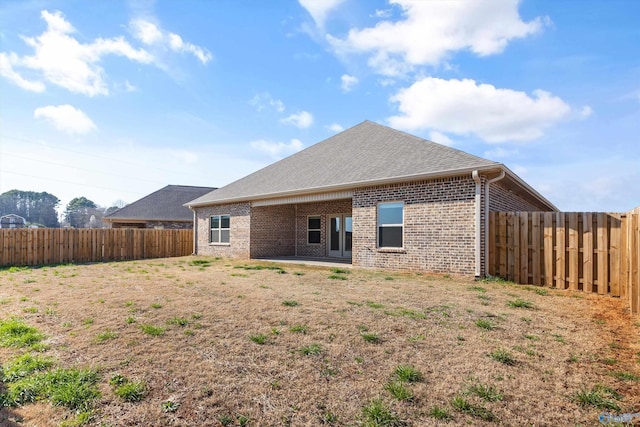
(313, 229)
(390, 224)
(219, 229)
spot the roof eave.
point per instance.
(357, 184)
(530, 189)
(144, 220)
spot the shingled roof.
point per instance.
(166, 204)
(364, 155)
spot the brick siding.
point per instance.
(240, 225)
(272, 231)
(439, 226)
(503, 200)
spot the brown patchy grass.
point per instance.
(232, 349)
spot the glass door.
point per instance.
(340, 234)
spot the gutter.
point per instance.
(476, 178)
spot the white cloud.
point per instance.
(319, 9)
(178, 45)
(348, 82)
(381, 13)
(441, 138)
(66, 118)
(277, 149)
(301, 120)
(6, 70)
(432, 30)
(261, 100)
(64, 61)
(153, 36)
(147, 32)
(465, 107)
(335, 127)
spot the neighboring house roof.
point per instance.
(366, 154)
(166, 204)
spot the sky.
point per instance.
(112, 100)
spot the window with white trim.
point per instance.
(219, 228)
(390, 224)
(314, 226)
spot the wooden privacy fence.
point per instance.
(584, 251)
(44, 246)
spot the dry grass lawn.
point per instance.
(307, 346)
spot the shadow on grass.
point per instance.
(8, 417)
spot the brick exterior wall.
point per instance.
(502, 200)
(439, 226)
(272, 231)
(240, 225)
(322, 209)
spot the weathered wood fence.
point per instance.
(584, 251)
(44, 246)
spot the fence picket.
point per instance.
(548, 249)
(55, 246)
(587, 252)
(560, 251)
(515, 247)
(573, 250)
(602, 253)
(524, 247)
(591, 252)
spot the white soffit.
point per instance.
(306, 198)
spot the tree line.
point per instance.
(40, 209)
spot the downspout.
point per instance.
(476, 179)
(486, 217)
(195, 233)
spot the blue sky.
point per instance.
(113, 100)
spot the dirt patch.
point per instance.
(300, 345)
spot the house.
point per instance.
(12, 221)
(161, 209)
(380, 197)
